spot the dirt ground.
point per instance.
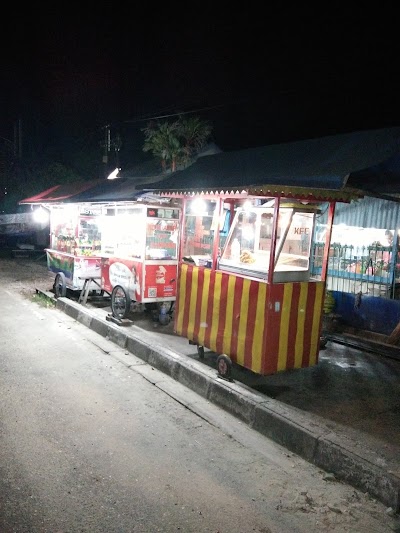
(25, 275)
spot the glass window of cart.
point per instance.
(162, 231)
(64, 228)
(293, 251)
(123, 232)
(201, 221)
(249, 242)
(89, 236)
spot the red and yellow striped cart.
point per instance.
(245, 289)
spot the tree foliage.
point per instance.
(22, 178)
(176, 143)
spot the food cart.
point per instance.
(139, 257)
(75, 247)
(247, 293)
(127, 251)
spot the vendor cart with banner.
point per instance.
(128, 252)
(139, 257)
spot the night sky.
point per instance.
(259, 77)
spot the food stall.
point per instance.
(127, 251)
(112, 240)
(250, 297)
(139, 257)
(74, 250)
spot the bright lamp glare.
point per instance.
(198, 206)
(41, 215)
(114, 174)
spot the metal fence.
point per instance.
(369, 270)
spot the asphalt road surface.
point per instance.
(94, 440)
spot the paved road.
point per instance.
(94, 440)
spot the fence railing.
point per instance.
(368, 269)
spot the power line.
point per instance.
(179, 113)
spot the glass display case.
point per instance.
(199, 227)
(140, 232)
(140, 251)
(247, 250)
(75, 230)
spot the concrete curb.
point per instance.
(302, 433)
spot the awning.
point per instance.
(66, 192)
(95, 191)
(317, 168)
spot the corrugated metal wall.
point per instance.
(369, 213)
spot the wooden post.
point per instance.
(394, 337)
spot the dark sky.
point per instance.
(260, 76)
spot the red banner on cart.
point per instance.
(160, 281)
(144, 282)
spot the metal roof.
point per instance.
(317, 166)
(369, 213)
(118, 190)
(315, 169)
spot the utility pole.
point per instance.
(106, 143)
(18, 139)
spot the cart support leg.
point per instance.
(84, 292)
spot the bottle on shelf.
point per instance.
(235, 249)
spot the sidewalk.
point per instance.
(343, 415)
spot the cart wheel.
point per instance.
(200, 351)
(120, 302)
(224, 366)
(60, 285)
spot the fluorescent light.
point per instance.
(114, 174)
(41, 215)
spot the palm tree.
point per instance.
(194, 134)
(175, 143)
(163, 141)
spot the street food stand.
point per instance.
(139, 257)
(127, 252)
(111, 240)
(74, 251)
(249, 296)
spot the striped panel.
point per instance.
(261, 327)
(223, 312)
(299, 324)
